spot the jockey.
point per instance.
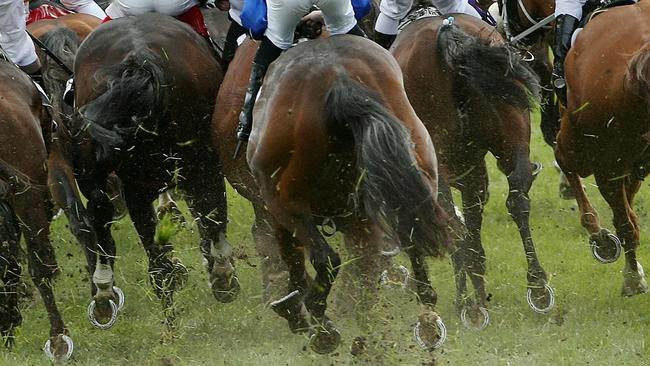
(283, 17)
(85, 7)
(392, 12)
(186, 11)
(15, 41)
(567, 16)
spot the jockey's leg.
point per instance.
(567, 17)
(15, 41)
(122, 8)
(339, 17)
(85, 7)
(230, 46)
(390, 14)
(283, 16)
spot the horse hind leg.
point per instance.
(275, 273)
(540, 296)
(10, 271)
(615, 193)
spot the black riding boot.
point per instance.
(564, 27)
(384, 40)
(266, 54)
(230, 45)
(357, 31)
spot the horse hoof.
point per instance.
(326, 339)
(605, 246)
(399, 274)
(112, 318)
(430, 335)
(225, 290)
(180, 274)
(293, 310)
(547, 298)
(120, 298)
(59, 348)
(536, 168)
(475, 317)
(634, 283)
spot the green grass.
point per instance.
(592, 324)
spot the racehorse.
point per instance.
(146, 109)
(336, 137)
(474, 95)
(604, 130)
(24, 206)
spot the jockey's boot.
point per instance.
(384, 40)
(36, 74)
(564, 26)
(266, 54)
(230, 45)
(357, 31)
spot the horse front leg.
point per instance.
(206, 196)
(166, 273)
(516, 166)
(615, 193)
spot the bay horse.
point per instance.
(145, 93)
(24, 206)
(604, 130)
(474, 94)
(337, 137)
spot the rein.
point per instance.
(536, 24)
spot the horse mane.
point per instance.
(495, 72)
(134, 100)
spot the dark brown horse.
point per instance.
(336, 137)
(605, 129)
(24, 206)
(145, 93)
(474, 95)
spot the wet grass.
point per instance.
(591, 324)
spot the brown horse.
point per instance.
(24, 206)
(604, 130)
(336, 137)
(474, 95)
(147, 110)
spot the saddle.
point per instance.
(45, 9)
(421, 9)
(592, 8)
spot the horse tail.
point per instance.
(134, 99)
(496, 72)
(637, 75)
(393, 190)
(63, 43)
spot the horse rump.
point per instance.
(134, 100)
(495, 71)
(392, 189)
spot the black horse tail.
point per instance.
(393, 190)
(134, 101)
(495, 72)
(637, 75)
(63, 43)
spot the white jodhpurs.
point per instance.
(236, 7)
(13, 37)
(569, 7)
(85, 7)
(284, 15)
(121, 8)
(392, 11)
